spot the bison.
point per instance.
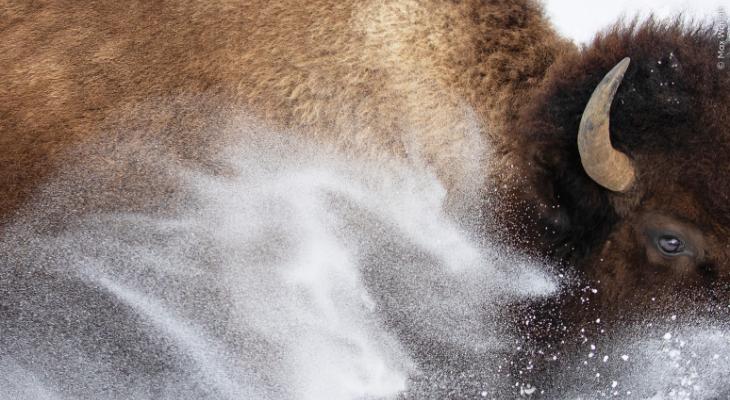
(611, 160)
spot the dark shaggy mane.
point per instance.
(673, 105)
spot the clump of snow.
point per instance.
(294, 274)
(282, 271)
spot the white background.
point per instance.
(580, 20)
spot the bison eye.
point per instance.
(670, 245)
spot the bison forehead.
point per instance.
(682, 202)
(700, 169)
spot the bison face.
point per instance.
(628, 162)
(668, 248)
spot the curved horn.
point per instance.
(607, 166)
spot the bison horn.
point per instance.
(607, 166)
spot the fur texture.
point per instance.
(420, 80)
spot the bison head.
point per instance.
(629, 148)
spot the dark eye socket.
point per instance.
(670, 245)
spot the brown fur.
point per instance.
(404, 78)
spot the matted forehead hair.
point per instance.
(674, 96)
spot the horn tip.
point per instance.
(623, 65)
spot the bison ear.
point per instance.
(607, 166)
